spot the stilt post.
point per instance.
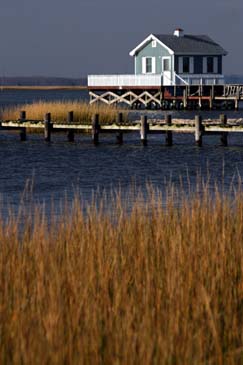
(224, 135)
(237, 98)
(70, 134)
(169, 138)
(47, 127)
(198, 130)
(211, 100)
(119, 136)
(22, 118)
(144, 129)
(95, 129)
(184, 98)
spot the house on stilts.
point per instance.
(169, 70)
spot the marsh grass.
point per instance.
(148, 286)
(83, 111)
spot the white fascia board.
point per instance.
(147, 40)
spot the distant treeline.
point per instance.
(42, 81)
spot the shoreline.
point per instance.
(44, 87)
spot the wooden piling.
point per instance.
(95, 129)
(212, 92)
(198, 130)
(70, 133)
(144, 129)
(211, 100)
(200, 103)
(47, 127)
(22, 118)
(224, 135)
(169, 138)
(119, 136)
(237, 102)
(184, 98)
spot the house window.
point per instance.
(154, 44)
(186, 65)
(166, 64)
(210, 62)
(148, 65)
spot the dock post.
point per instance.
(22, 118)
(119, 136)
(47, 127)
(236, 104)
(95, 129)
(198, 130)
(184, 98)
(211, 100)
(169, 138)
(237, 98)
(224, 135)
(144, 129)
(70, 134)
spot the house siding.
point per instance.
(148, 51)
(198, 64)
(220, 64)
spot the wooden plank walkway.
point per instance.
(144, 126)
(178, 125)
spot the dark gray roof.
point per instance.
(191, 44)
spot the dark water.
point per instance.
(59, 167)
(18, 97)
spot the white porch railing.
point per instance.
(124, 80)
(179, 80)
(121, 81)
(200, 79)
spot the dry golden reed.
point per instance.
(142, 286)
(59, 109)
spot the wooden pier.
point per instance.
(119, 127)
(178, 97)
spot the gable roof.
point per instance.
(196, 44)
(187, 44)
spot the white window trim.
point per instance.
(154, 43)
(144, 65)
(153, 65)
(168, 58)
(215, 65)
(180, 65)
(187, 73)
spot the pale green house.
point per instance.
(179, 58)
(170, 59)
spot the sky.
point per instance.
(73, 38)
